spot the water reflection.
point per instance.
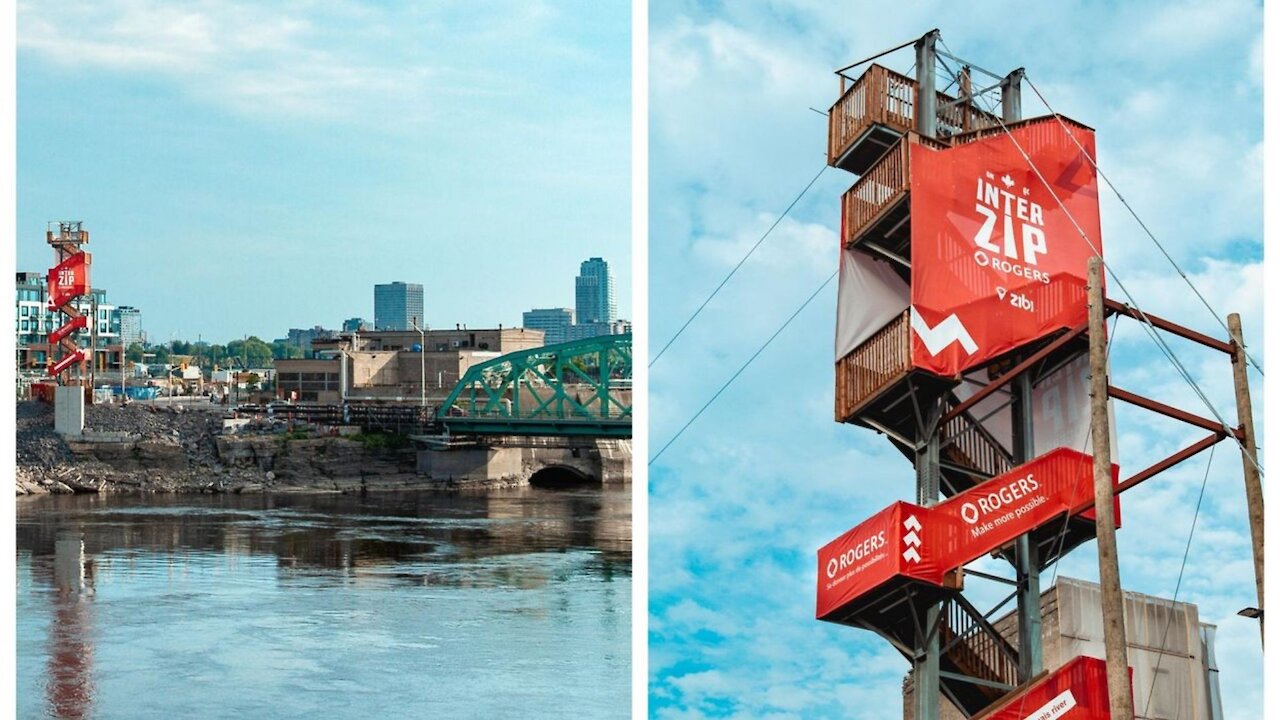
(70, 687)
(151, 607)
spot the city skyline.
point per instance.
(240, 205)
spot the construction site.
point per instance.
(974, 318)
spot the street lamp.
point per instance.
(422, 359)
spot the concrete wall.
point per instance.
(513, 461)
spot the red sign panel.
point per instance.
(68, 280)
(1075, 691)
(66, 362)
(996, 261)
(925, 543)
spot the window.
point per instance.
(24, 310)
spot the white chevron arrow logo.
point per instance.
(950, 330)
(912, 540)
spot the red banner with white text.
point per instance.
(925, 543)
(1075, 691)
(68, 280)
(996, 260)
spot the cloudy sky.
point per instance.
(742, 501)
(249, 167)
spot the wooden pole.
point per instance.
(1249, 454)
(1113, 634)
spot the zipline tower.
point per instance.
(963, 338)
(68, 281)
(68, 284)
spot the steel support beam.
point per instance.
(927, 91)
(1169, 326)
(928, 683)
(1183, 454)
(1026, 553)
(1004, 379)
(1171, 411)
(1011, 96)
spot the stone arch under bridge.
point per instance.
(516, 460)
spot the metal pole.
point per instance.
(926, 85)
(927, 689)
(1030, 643)
(1011, 96)
(1113, 633)
(1030, 649)
(1249, 454)
(422, 359)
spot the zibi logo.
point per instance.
(1013, 491)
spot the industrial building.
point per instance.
(1170, 651)
(394, 366)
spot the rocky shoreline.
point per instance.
(176, 448)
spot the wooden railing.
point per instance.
(1048, 122)
(976, 648)
(881, 96)
(881, 186)
(972, 447)
(878, 96)
(872, 366)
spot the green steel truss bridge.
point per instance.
(579, 388)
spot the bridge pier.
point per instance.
(507, 460)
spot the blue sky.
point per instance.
(249, 167)
(740, 504)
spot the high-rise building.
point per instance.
(397, 305)
(556, 323)
(130, 325)
(302, 337)
(595, 293)
(355, 324)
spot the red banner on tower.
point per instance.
(996, 260)
(68, 280)
(1075, 691)
(926, 543)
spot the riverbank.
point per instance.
(182, 448)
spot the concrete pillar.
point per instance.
(68, 409)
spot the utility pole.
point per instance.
(422, 359)
(1113, 632)
(1249, 453)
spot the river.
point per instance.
(505, 603)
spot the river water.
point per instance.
(510, 603)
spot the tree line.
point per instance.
(251, 353)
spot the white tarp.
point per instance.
(870, 295)
(1060, 407)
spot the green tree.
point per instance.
(283, 350)
(253, 352)
(134, 352)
